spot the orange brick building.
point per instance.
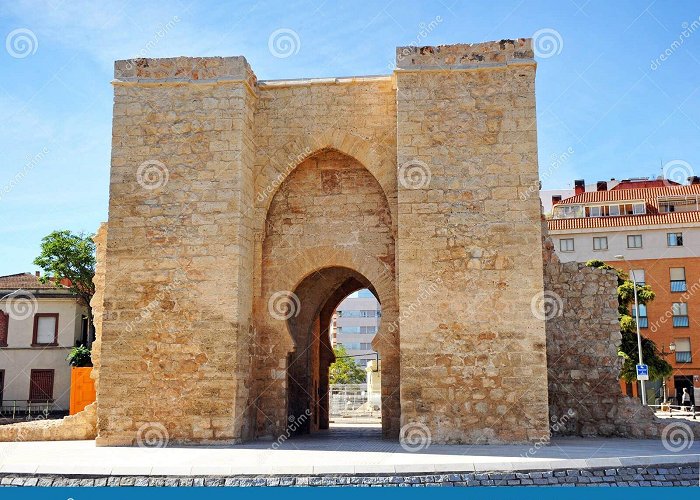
(651, 229)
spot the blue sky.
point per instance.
(602, 101)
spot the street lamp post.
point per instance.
(639, 335)
(672, 347)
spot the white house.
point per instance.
(39, 324)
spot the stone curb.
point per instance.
(656, 475)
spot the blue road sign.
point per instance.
(642, 372)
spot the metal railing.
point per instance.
(678, 410)
(24, 408)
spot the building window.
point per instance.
(674, 239)
(600, 243)
(366, 345)
(41, 385)
(678, 279)
(680, 314)
(638, 276)
(634, 241)
(594, 212)
(4, 325)
(614, 210)
(566, 244)
(45, 329)
(643, 318)
(639, 209)
(683, 352)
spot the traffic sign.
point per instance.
(642, 372)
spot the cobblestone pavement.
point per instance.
(630, 476)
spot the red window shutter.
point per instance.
(41, 385)
(4, 323)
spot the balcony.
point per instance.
(680, 321)
(683, 357)
(678, 286)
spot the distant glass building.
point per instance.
(355, 323)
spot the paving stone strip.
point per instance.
(660, 475)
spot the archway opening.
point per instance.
(327, 378)
(355, 396)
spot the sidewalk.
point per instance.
(342, 450)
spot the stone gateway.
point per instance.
(242, 212)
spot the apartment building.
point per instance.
(355, 324)
(39, 324)
(654, 225)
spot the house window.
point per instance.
(4, 324)
(678, 279)
(45, 329)
(680, 314)
(639, 208)
(594, 211)
(643, 318)
(41, 385)
(366, 345)
(674, 239)
(683, 352)
(614, 210)
(638, 276)
(566, 245)
(600, 243)
(634, 241)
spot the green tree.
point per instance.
(69, 258)
(659, 368)
(344, 370)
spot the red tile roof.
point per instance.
(649, 195)
(23, 280)
(645, 184)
